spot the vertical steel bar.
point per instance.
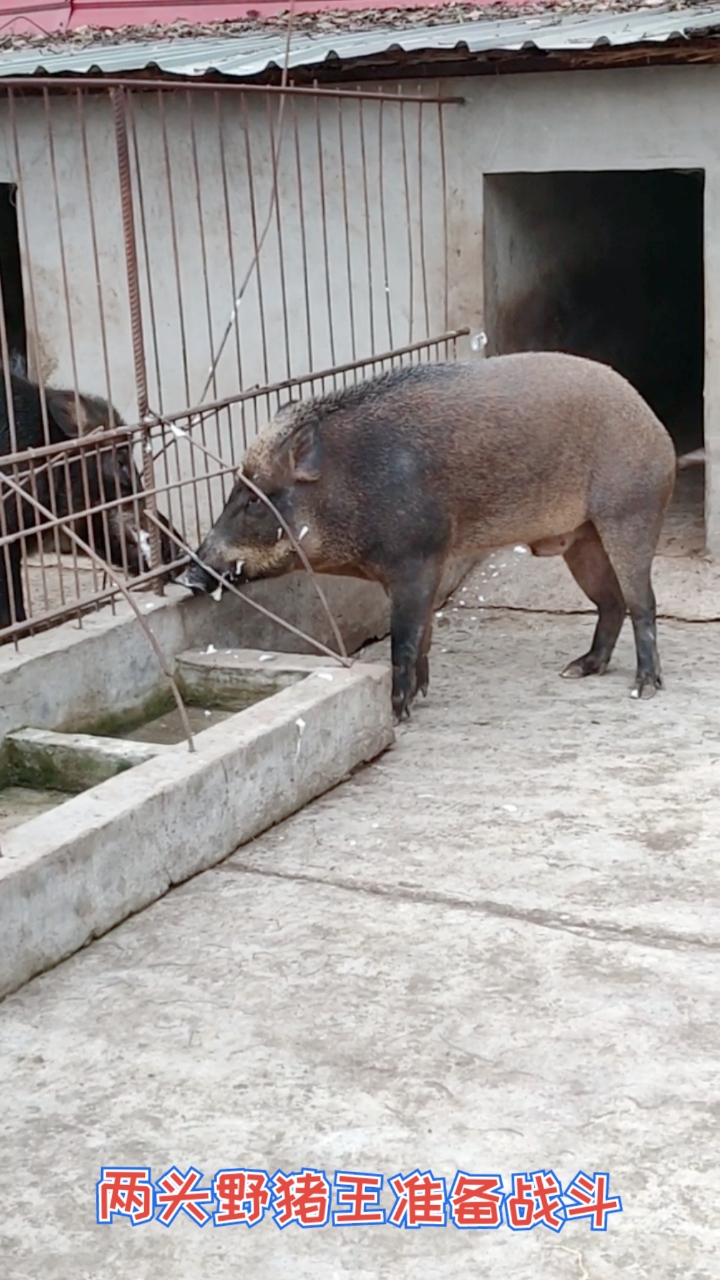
(175, 245)
(69, 319)
(228, 231)
(194, 483)
(104, 517)
(243, 424)
(409, 224)
(256, 243)
(7, 373)
(64, 463)
(303, 235)
(346, 220)
(94, 241)
(147, 459)
(27, 264)
(421, 219)
(227, 424)
(61, 244)
(275, 197)
(201, 229)
(368, 237)
(6, 540)
(30, 481)
(80, 464)
(446, 245)
(137, 182)
(133, 283)
(323, 208)
(65, 292)
(206, 276)
(386, 281)
(131, 263)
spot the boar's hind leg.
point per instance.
(412, 594)
(422, 666)
(589, 565)
(630, 543)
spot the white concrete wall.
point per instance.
(329, 289)
(379, 289)
(634, 119)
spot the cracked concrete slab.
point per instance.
(496, 949)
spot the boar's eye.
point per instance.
(258, 509)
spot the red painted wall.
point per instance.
(36, 16)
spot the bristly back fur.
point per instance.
(295, 414)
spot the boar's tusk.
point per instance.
(279, 535)
(217, 593)
(302, 533)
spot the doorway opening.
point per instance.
(609, 265)
(11, 278)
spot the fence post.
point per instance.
(133, 283)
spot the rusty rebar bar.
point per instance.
(181, 83)
(134, 302)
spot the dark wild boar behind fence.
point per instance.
(177, 262)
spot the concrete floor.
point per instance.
(497, 949)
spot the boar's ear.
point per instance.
(68, 412)
(78, 415)
(305, 452)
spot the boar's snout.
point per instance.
(197, 578)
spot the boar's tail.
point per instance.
(694, 459)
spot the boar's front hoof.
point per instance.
(646, 685)
(589, 665)
(403, 691)
(401, 709)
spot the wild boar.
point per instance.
(70, 487)
(389, 479)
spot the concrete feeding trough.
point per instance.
(106, 808)
(123, 809)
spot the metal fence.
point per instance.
(194, 256)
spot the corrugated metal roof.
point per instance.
(252, 53)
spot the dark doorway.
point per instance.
(606, 265)
(11, 276)
(610, 266)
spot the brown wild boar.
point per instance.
(389, 479)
